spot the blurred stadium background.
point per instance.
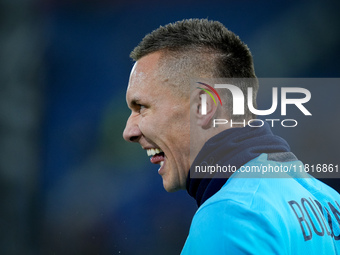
(69, 183)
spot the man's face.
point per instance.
(159, 121)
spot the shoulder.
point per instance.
(255, 215)
(235, 221)
(229, 227)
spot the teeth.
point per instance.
(152, 152)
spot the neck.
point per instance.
(234, 147)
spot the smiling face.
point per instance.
(159, 121)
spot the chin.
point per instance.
(170, 187)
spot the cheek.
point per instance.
(182, 122)
(149, 126)
(180, 130)
(172, 124)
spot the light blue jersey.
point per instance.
(287, 215)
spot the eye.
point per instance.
(141, 107)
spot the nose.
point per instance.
(132, 132)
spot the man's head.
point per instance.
(199, 40)
(161, 98)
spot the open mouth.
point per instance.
(157, 156)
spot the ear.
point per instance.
(203, 108)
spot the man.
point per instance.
(295, 214)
